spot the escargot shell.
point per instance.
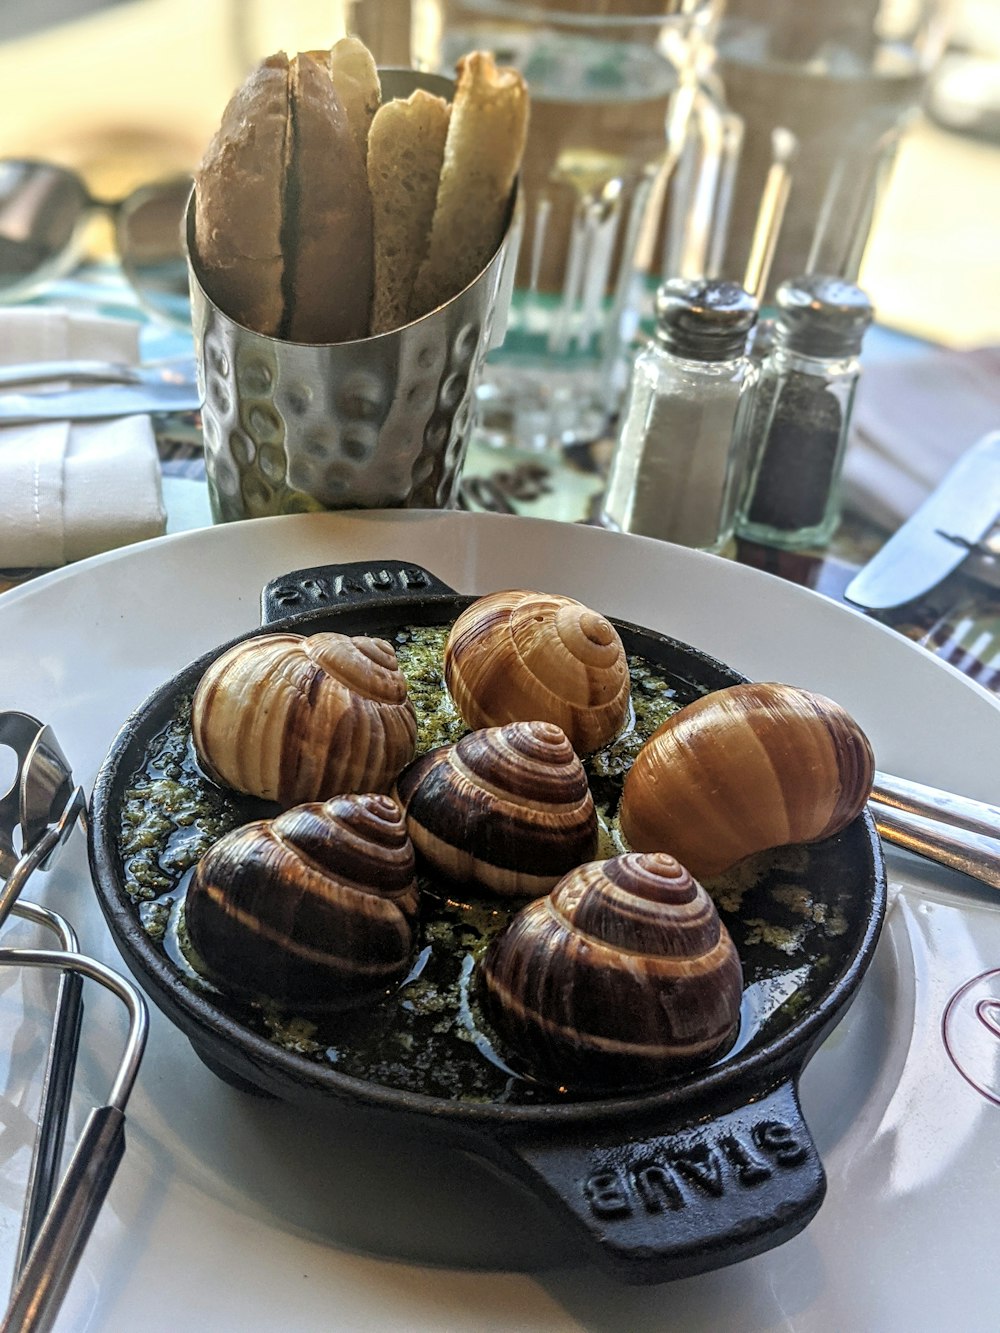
(521, 656)
(316, 907)
(621, 976)
(293, 719)
(743, 769)
(507, 808)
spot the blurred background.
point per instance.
(128, 90)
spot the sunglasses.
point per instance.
(44, 210)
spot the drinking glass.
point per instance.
(846, 78)
(611, 87)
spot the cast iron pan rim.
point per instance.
(776, 1059)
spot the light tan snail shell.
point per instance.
(294, 719)
(317, 907)
(521, 656)
(506, 808)
(743, 769)
(620, 977)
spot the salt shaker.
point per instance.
(795, 428)
(673, 474)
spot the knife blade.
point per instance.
(934, 541)
(116, 400)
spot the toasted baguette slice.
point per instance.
(405, 152)
(239, 200)
(328, 235)
(486, 136)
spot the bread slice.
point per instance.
(405, 153)
(486, 137)
(328, 230)
(355, 77)
(239, 200)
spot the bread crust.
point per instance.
(405, 153)
(355, 77)
(287, 239)
(328, 279)
(486, 137)
(239, 189)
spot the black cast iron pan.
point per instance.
(709, 1170)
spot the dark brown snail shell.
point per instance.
(317, 907)
(621, 977)
(743, 769)
(293, 719)
(520, 656)
(507, 808)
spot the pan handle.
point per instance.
(686, 1200)
(361, 583)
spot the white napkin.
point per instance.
(34, 333)
(913, 419)
(73, 489)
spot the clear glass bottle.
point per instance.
(794, 431)
(673, 474)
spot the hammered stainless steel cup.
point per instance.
(380, 422)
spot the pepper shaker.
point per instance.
(795, 429)
(673, 473)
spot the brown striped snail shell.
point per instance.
(317, 907)
(621, 976)
(743, 769)
(522, 656)
(293, 719)
(507, 808)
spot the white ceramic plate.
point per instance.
(232, 1213)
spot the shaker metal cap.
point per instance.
(705, 319)
(822, 316)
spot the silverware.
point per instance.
(172, 370)
(40, 1286)
(953, 521)
(37, 814)
(116, 400)
(38, 811)
(57, 1083)
(955, 831)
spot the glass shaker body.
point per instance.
(673, 474)
(794, 434)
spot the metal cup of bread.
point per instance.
(323, 214)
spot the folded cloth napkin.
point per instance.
(73, 489)
(33, 333)
(913, 419)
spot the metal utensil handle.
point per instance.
(667, 1205)
(933, 803)
(57, 1084)
(42, 1283)
(53, 1259)
(53, 1113)
(950, 845)
(38, 856)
